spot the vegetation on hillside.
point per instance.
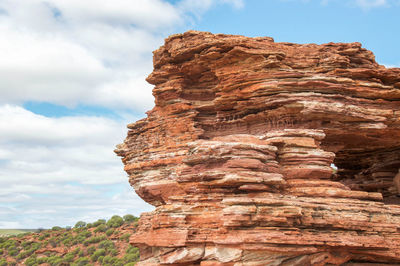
(99, 243)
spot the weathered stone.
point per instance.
(237, 154)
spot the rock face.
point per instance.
(236, 155)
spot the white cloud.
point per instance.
(37, 149)
(367, 4)
(391, 66)
(73, 61)
(55, 171)
(363, 4)
(62, 168)
(199, 7)
(86, 52)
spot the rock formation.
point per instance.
(237, 155)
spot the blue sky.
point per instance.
(72, 75)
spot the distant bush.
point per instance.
(101, 228)
(69, 257)
(95, 239)
(56, 228)
(107, 244)
(125, 237)
(54, 260)
(81, 253)
(113, 252)
(3, 262)
(99, 222)
(81, 262)
(130, 218)
(31, 261)
(89, 225)
(13, 251)
(41, 260)
(90, 250)
(130, 258)
(132, 250)
(25, 254)
(80, 224)
(81, 237)
(109, 232)
(97, 254)
(8, 243)
(76, 251)
(115, 221)
(109, 260)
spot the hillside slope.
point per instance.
(99, 243)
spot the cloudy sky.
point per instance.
(72, 75)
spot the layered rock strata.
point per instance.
(237, 154)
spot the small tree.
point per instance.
(129, 218)
(99, 222)
(101, 228)
(115, 221)
(80, 224)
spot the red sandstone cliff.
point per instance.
(236, 155)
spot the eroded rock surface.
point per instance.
(236, 155)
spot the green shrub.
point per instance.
(113, 252)
(125, 237)
(90, 250)
(93, 240)
(129, 218)
(109, 232)
(13, 251)
(41, 260)
(25, 254)
(86, 233)
(132, 250)
(54, 260)
(76, 251)
(69, 257)
(3, 262)
(81, 253)
(109, 260)
(115, 221)
(130, 257)
(101, 228)
(35, 246)
(81, 262)
(99, 222)
(97, 254)
(107, 244)
(53, 242)
(80, 224)
(100, 259)
(67, 242)
(56, 228)
(31, 261)
(25, 244)
(9, 243)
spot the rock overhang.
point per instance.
(239, 147)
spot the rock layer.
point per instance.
(236, 155)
